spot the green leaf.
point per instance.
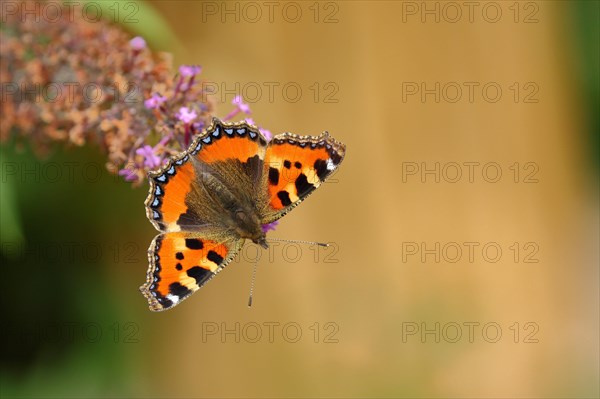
(139, 18)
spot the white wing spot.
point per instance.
(330, 165)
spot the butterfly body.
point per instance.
(236, 216)
(221, 191)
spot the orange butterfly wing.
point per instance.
(296, 166)
(181, 263)
(228, 162)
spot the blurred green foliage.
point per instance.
(140, 18)
(10, 224)
(66, 226)
(587, 22)
(65, 233)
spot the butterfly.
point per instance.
(221, 191)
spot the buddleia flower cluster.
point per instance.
(74, 81)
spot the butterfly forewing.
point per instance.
(194, 188)
(296, 166)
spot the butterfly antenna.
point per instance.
(252, 283)
(253, 279)
(322, 244)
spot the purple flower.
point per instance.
(128, 174)
(198, 125)
(266, 133)
(155, 101)
(189, 70)
(186, 115)
(137, 43)
(241, 105)
(269, 226)
(151, 160)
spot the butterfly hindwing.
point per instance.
(296, 166)
(181, 263)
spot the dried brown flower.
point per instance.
(78, 81)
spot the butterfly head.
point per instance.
(262, 241)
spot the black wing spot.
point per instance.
(214, 257)
(178, 266)
(200, 274)
(298, 165)
(179, 290)
(336, 158)
(321, 168)
(287, 164)
(284, 197)
(179, 255)
(165, 302)
(303, 187)
(274, 176)
(193, 243)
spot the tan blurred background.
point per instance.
(368, 54)
(362, 62)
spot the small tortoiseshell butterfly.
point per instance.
(209, 199)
